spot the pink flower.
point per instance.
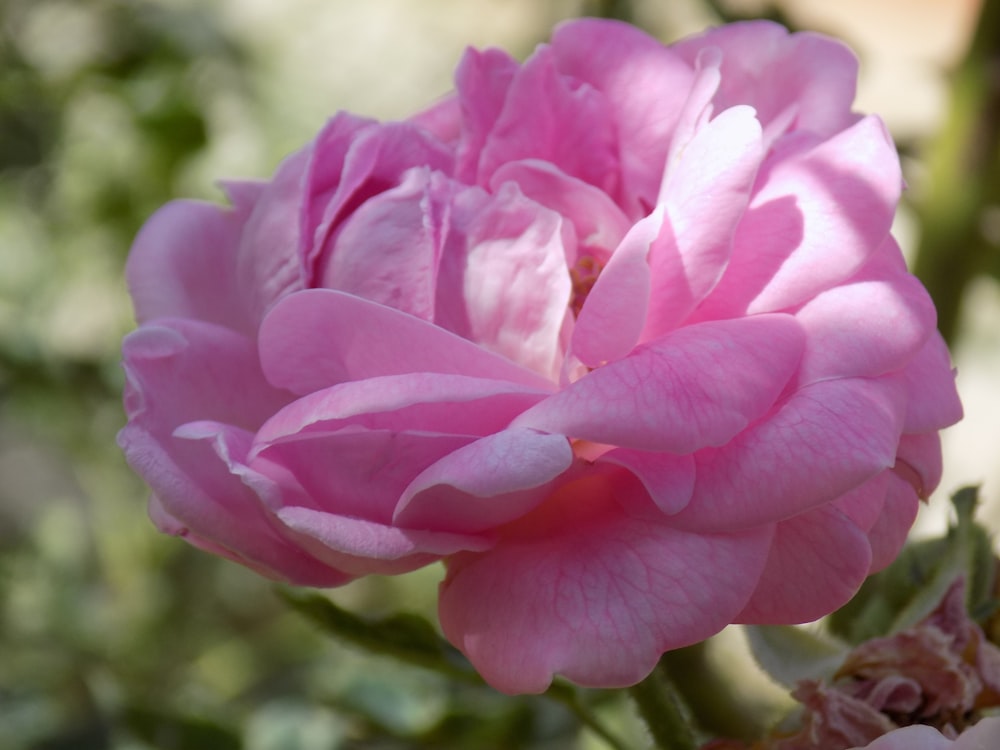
(619, 333)
(983, 736)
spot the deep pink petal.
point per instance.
(321, 337)
(667, 478)
(817, 562)
(422, 401)
(645, 85)
(873, 324)
(487, 483)
(803, 80)
(817, 218)
(822, 442)
(550, 117)
(698, 386)
(594, 595)
(365, 548)
(182, 265)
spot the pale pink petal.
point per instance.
(918, 737)
(423, 401)
(550, 117)
(863, 504)
(929, 382)
(614, 313)
(504, 279)
(816, 564)
(599, 601)
(822, 442)
(352, 163)
(645, 85)
(321, 337)
(182, 265)
(600, 225)
(817, 218)
(873, 324)
(705, 192)
(361, 547)
(698, 386)
(985, 735)
(697, 109)
(488, 483)
(810, 75)
(442, 119)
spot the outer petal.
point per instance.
(645, 85)
(598, 602)
(824, 441)
(668, 479)
(816, 219)
(698, 386)
(816, 564)
(182, 265)
(929, 381)
(808, 76)
(321, 337)
(492, 481)
(899, 510)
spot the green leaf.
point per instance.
(789, 654)
(168, 732)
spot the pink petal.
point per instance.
(817, 562)
(929, 381)
(353, 161)
(695, 387)
(822, 442)
(645, 85)
(899, 510)
(918, 462)
(594, 595)
(705, 192)
(490, 482)
(421, 401)
(600, 225)
(550, 117)
(183, 370)
(873, 324)
(817, 218)
(321, 337)
(667, 478)
(387, 251)
(503, 281)
(197, 480)
(774, 72)
(365, 548)
(182, 265)
(353, 472)
(918, 737)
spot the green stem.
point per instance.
(660, 706)
(570, 698)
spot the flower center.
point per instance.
(584, 275)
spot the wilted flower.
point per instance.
(619, 333)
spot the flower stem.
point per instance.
(660, 706)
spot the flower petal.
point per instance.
(817, 562)
(488, 483)
(697, 386)
(320, 337)
(929, 381)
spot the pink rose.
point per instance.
(619, 333)
(983, 736)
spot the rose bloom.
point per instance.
(619, 333)
(983, 736)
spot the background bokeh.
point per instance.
(112, 636)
